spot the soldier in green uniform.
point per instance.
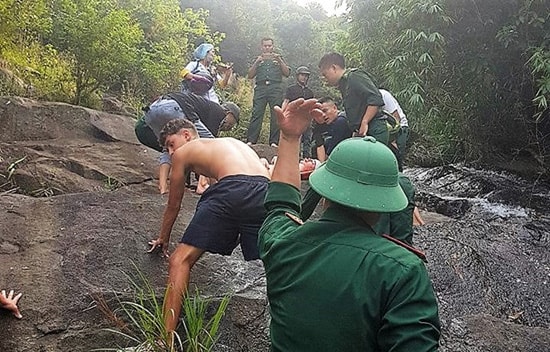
(268, 69)
(362, 99)
(399, 224)
(334, 284)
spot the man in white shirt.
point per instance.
(392, 106)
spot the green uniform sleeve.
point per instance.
(358, 92)
(407, 187)
(402, 222)
(364, 89)
(399, 224)
(410, 322)
(282, 203)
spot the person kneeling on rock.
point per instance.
(208, 117)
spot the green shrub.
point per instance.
(39, 72)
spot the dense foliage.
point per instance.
(73, 50)
(473, 75)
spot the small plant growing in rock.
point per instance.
(141, 322)
(43, 192)
(113, 184)
(9, 182)
(201, 333)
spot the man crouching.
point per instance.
(229, 212)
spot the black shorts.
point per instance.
(229, 212)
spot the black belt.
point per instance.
(266, 82)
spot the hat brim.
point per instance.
(350, 193)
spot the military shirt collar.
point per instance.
(336, 213)
(342, 84)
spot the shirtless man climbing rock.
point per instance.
(229, 212)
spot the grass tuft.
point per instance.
(140, 321)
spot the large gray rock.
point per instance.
(70, 251)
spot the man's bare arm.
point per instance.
(286, 168)
(164, 173)
(226, 75)
(294, 118)
(175, 196)
(396, 116)
(321, 153)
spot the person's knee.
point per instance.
(184, 257)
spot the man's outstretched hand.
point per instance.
(158, 243)
(295, 117)
(9, 302)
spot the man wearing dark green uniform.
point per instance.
(362, 99)
(268, 69)
(334, 284)
(399, 224)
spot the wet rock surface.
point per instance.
(78, 203)
(490, 264)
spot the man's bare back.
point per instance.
(218, 158)
(214, 158)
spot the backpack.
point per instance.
(199, 87)
(392, 125)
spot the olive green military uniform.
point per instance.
(399, 225)
(267, 90)
(401, 140)
(358, 91)
(326, 288)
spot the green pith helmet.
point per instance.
(233, 109)
(362, 174)
(303, 69)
